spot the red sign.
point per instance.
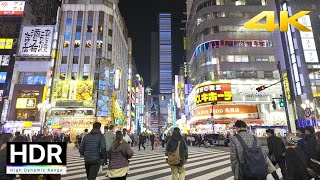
(209, 92)
(12, 7)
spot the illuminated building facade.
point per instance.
(220, 50)
(91, 69)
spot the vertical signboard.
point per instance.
(36, 41)
(307, 40)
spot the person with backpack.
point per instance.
(276, 153)
(177, 153)
(248, 160)
(93, 149)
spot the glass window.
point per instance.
(76, 44)
(75, 60)
(89, 28)
(88, 44)
(69, 21)
(64, 60)
(109, 47)
(110, 32)
(62, 75)
(32, 78)
(110, 19)
(100, 29)
(74, 75)
(87, 60)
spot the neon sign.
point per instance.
(306, 122)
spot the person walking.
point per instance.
(163, 139)
(240, 146)
(126, 137)
(157, 141)
(4, 138)
(295, 160)
(84, 134)
(176, 142)
(152, 137)
(93, 149)
(310, 146)
(119, 153)
(142, 140)
(276, 153)
(301, 134)
(132, 139)
(109, 138)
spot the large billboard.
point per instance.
(36, 41)
(12, 7)
(213, 91)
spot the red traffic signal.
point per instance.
(260, 88)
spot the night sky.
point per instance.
(141, 20)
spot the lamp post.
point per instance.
(43, 108)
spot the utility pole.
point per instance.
(284, 97)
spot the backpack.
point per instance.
(174, 157)
(253, 164)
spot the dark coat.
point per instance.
(310, 147)
(296, 169)
(93, 147)
(276, 147)
(183, 150)
(152, 137)
(301, 141)
(142, 138)
(119, 156)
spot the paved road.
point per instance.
(203, 164)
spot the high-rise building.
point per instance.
(228, 62)
(27, 62)
(90, 77)
(302, 52)
(165, 53)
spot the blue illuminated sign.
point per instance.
(306, 122)
(3, 77)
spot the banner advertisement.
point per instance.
(5, 59)
(12, 7)
(80, 91)
(227, 111)
(36, 41)
(213, 91)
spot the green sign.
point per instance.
(281, 102)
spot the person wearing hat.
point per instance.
(310, 146)
(295, 160)
(178, 171)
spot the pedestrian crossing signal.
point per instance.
(281, 102)
(274, 105)
(260, 88)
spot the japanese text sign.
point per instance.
(6, 43)
(227, 111)
(26, 103)
(36, 41)
(12, 7)
(213, 92)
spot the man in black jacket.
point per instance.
(276, 153)
(178, 172)
(93, 149)
(310, 146)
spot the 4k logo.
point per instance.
(270, 25)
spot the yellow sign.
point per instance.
(6, 43)
(213, 91)
(56, 127)
(27, 124)
(270, 25)
(73, 90)
(26, 103)
(286, 85)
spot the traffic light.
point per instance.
(260, 88)
(274, 105)
(281, 102)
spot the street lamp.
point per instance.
(43, 108)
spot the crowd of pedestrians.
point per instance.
(298, 159)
